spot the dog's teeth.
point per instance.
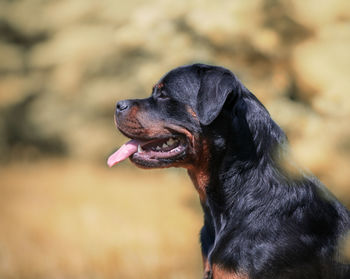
(170, 141)
(165, 145)
(158, 148)
(139, 149)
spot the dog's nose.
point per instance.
(123, 105)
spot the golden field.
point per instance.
(64, 219)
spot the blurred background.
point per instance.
(63, 66)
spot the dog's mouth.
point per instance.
(158, 152)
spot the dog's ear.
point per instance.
(215, 88)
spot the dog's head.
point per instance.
(172, 127)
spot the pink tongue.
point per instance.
(125, 151)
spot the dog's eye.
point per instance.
(162, 95)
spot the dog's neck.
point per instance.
(220, 195)
(219, 181)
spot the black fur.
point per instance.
(260, 218)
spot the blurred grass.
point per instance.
(62, 219)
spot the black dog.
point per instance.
(263, 218)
